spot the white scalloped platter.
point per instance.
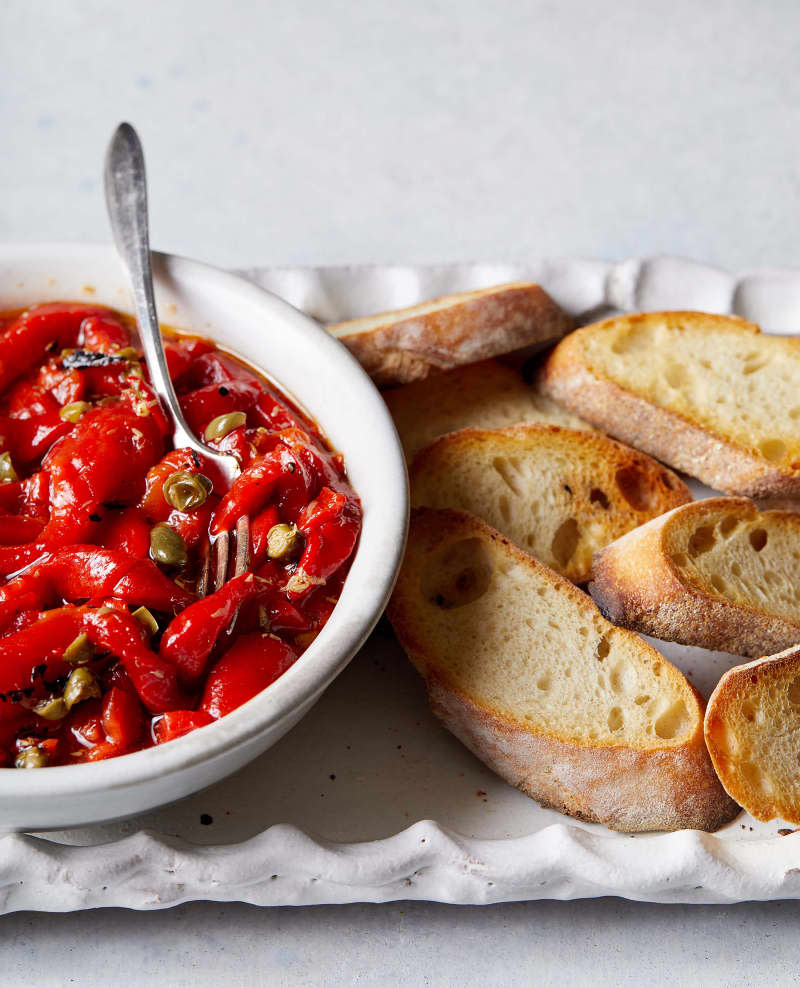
(368, 798)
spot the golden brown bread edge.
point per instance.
(466, 328)
(735, 687)
(637, 586)
(669, 436)
(629, 790)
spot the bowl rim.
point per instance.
(343, 634)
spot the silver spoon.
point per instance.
(126, 201)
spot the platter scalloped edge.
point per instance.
(284, 866)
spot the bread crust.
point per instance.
(625, 789)
(628, 789)
(637, 585)
(667, 435)
(737, 687)
(653, 488)
(407, 344)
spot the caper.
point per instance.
(282, 541)
(32, 757)
(223, 424)
(74, 411)
(143, 616)
(81, 686)
(184, 490)
(52, 709)
(167, 547)
(128, 353)
(7, 472)
(79, 651)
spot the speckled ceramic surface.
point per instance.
(368, 798)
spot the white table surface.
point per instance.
(324, 132)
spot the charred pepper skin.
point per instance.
(105, 647)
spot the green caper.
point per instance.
(79, 651)
(52, 709)
(81, 686)
(219, 427)
(32, 757)
(143, 616)
(74, 411)
(128, 353)
(8, 475)
(184, 490)
(282, 541)
(167, 547)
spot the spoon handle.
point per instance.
(126, 201)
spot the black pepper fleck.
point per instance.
(206, 819)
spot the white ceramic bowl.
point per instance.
(322, 376)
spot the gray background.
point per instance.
(334, 132)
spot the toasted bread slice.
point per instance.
(717, 573)
(487, 395)
(557, 493)
(408, 344)
(752, 729)
(710, 395)
(521, 666)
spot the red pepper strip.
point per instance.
(275, 475)
(82, 572)
(103, 333)
(11, 609)
(41, 643)
(191, 636)
(144, 583)
(175, 723)
(316, 464)
(282, 615)
(329, 542)
(18, 528)
(44, 390)
(102, 459)
(25, 342)
(271, 413)
(154, 680)
(328, 504)
(214, 367)
(10, 493)
(29, 439)
(237, 443)
(34, 495)
(127, 531)
(201, 406)
(253, 663)
(122, 718)
(259, 530)
(181, 355)
(192, 526)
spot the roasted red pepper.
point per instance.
(255, 661)
(105, 646)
